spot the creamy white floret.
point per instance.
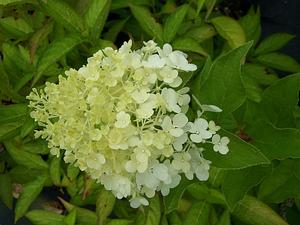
(122, 120)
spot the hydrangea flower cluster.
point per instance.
(122, 119)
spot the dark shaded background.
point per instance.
(282, 16)
(277, 16)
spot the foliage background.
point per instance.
(238, 71)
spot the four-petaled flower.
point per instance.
(220, 144)
(123, 120)
(199, 131)
(175, 125)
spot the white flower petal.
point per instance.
(167, 123)
(140, 96)
(123, 120)
(154, 61)
(177, 146)
(201, 123)
(167, 49)
(224, 140)
(224, 150)
(217, 148)
(196, 138)
(176, 83)
(145, 111)
(184, 100)
(202, 174)
(141, 157)
(161, 172)
(138, 201)
(176, 132)
(216, 139)
(165, 190)
(180, 120)
(130, 166)
(205, 134)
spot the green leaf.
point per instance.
(23, 81)
(13, 54)
(72, 171)
(224, 219)
(9, 130)
(6, 190)
(252, 211)
(30, 191)
(8, 2)
(186, 77)
(6, 91)
(210, 5)
(119, 222)
(96, 16)
(282, 183)
(42, 217)
(198, 214)
(201, 33)
(84, 216)
(118, 4)
(164, 220)
(227, 122)
(230, 30)
(91, 197)
(238, 182)
(203, 75)
(171, 201)
(115, 28)
(173, 22)
(188, 44)
(174, 219)
(24, 158)
(15, 2)
(27, 127)
(38, 37)
(245, 116)
(13, 113)
(55, 51)
(55, 170)
(253, 91)
(203, 193)
(104, 205)
(63, 14)
(15, 27)
(152, 213)
(9, 68)
(22, 175)
(297, 116)
(147, 22)
(251, 25)
(241, 154)
(279, 101)
(70, 219)
(216, 176)
(279, 61)
(38, 146)
(200, 4)
(273, 43)
(224, 77)
(259, 74)
(275, 143)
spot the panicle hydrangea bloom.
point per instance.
(122, 119)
